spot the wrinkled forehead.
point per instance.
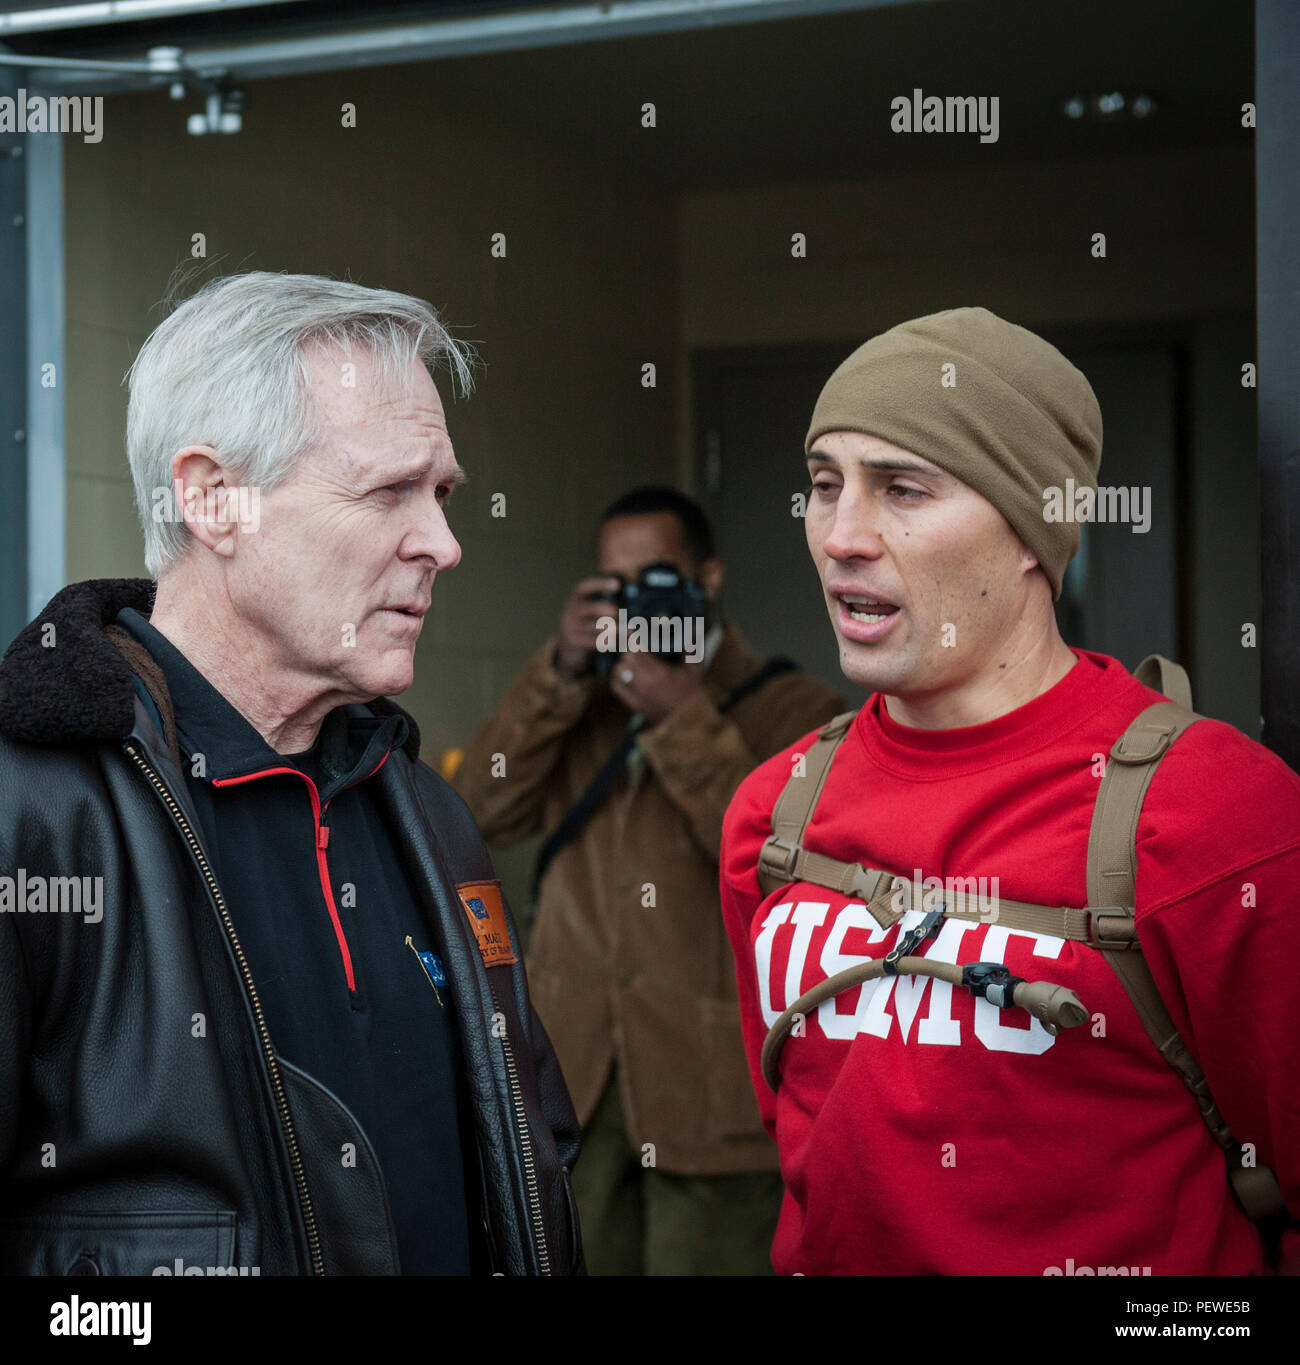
(371, 416)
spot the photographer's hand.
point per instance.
(578, 628)
(655, 688)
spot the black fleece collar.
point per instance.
(63, 680)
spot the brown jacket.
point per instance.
(629, 959)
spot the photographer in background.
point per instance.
(628, 762)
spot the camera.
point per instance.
(654, 613)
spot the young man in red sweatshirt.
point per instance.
(923, 1130)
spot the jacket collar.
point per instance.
(65, 680)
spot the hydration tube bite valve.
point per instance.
(1055, 1007)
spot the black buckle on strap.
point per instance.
(912, 940)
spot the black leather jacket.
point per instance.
(145, 1118)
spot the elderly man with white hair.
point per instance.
(296, 1038)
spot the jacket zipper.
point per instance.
(526, 1142)
(277, 1081)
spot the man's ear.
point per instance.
(1027, 560)
(201, 498)
(1028, 563)
(710, 575)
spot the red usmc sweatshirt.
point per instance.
(923, 1131)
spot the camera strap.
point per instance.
(598, 788)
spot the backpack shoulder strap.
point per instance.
(795, 806)
(1112, 884)
(1133, 760)
(1167, 678)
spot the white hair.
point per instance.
(228, 369)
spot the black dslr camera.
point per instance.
(653, 614)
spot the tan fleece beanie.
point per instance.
(1011, 418)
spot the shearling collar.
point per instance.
(63, 680)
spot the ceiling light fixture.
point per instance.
(1114, 106)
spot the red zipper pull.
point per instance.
(323, 837)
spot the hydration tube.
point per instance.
(1055, 1007)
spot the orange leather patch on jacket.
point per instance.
(487, 917)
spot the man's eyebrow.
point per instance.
(888, 466)
(417, 469)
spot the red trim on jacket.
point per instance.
(322, 839)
